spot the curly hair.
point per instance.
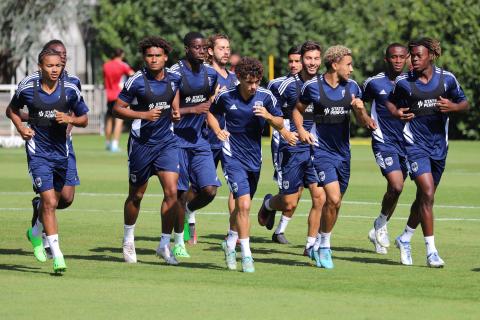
(158, 42)
(211, 43)
(335, 54)
(52, 43)
(47, 52)
(433, 46)
(249, 67)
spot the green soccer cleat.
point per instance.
(37, 244)
(247, 265)
(230, 257)
(180, 251)
(59, 265)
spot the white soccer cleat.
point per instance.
(129, 254)
(166, 254)
(434, 260)
(405, 252)
(378, 248)
(381, 235)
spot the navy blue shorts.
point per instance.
(296, 170)
(331, 169)
(389, 161)
(47, 174)
(421, 165)
(72, 178)
(196, 169)
(217, 156)
(145, 161)
(274, 146)
(239, 180)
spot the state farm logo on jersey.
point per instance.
(162, 105)
(195, 99)
(428, 103)
(335, 111)
(48, 114)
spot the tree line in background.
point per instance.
(259, 28)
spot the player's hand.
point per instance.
(445, 105)
(357, 102)
(371, 124)
(290, 137)
(306, 137)
(202, 108)
(152, 115)
(260, 111)
(175, 115)
(63, 118)
(223, 135)
(26, 133)
(403, 114)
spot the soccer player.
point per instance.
(197, 169)
(49, 100)
(68, 191)
(152, 146)
(424, 98)
(295, 161)
(333, 95)
(246, 108)
(294, 67)
(387, 140)
(113, 71)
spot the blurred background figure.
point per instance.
(113, 72)
(234, 60)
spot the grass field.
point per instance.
(363, 285)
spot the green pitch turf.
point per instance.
(363, 285)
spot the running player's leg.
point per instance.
(318, 200)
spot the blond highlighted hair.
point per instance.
(335, 54)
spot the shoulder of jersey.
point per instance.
(267, 92)
(73, 86)
(173, 72)
(29, 78)
(276, 81)
(223, 93)
(175, 67)
(379, 76)
(446, 73)
(286, 83)
(132, 79)
(27, 85)
(403, 76)
(309, 82)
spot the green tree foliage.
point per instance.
(262, 27)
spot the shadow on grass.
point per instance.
(476, 269)
(21, 268)
(352, 249)
(185, 264)
(283, 262)
(221, 237)
(369, 260)
(18, 252)
(144, 238)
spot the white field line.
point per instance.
(225, 214)
(121, 195)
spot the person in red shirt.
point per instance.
(113, 72)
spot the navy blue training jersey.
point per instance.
(224, 84)
(290, 90)
(195, 88)
(50, 140)
(331, 114)
(151, 93)
(389, 132)
(427, 133)
(245, 128)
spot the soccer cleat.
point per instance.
(264, 215)
(306, 252)
(35, 203)
(37, 245)
(129, 254)
(315, 256)
(46, 246)
(434, 260)
(59, 265)
(279, 238)
(166, 254)
(381, 235)
(325, 258)
(247, 265)
(180, 251)
(405, 252)
(378, 248)
(193, 234)
(230, 257)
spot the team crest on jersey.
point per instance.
(133, 178)
(389, 161)
(321, 175)
(38, 182)
(258, 104)
(380, 161)
(343, 93)
(285, 184)
(414, 166)
(234, 187)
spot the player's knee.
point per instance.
(209, 192)
(334, 201)
(427, 196)
(136, 197)
(395, 189)
(49, 204)
(65, 202)
(289, 205)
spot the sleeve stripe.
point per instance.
(130, 81)
(20, 89)
(307, 83)
(269, 93)
(285, 84)
(222, 93)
